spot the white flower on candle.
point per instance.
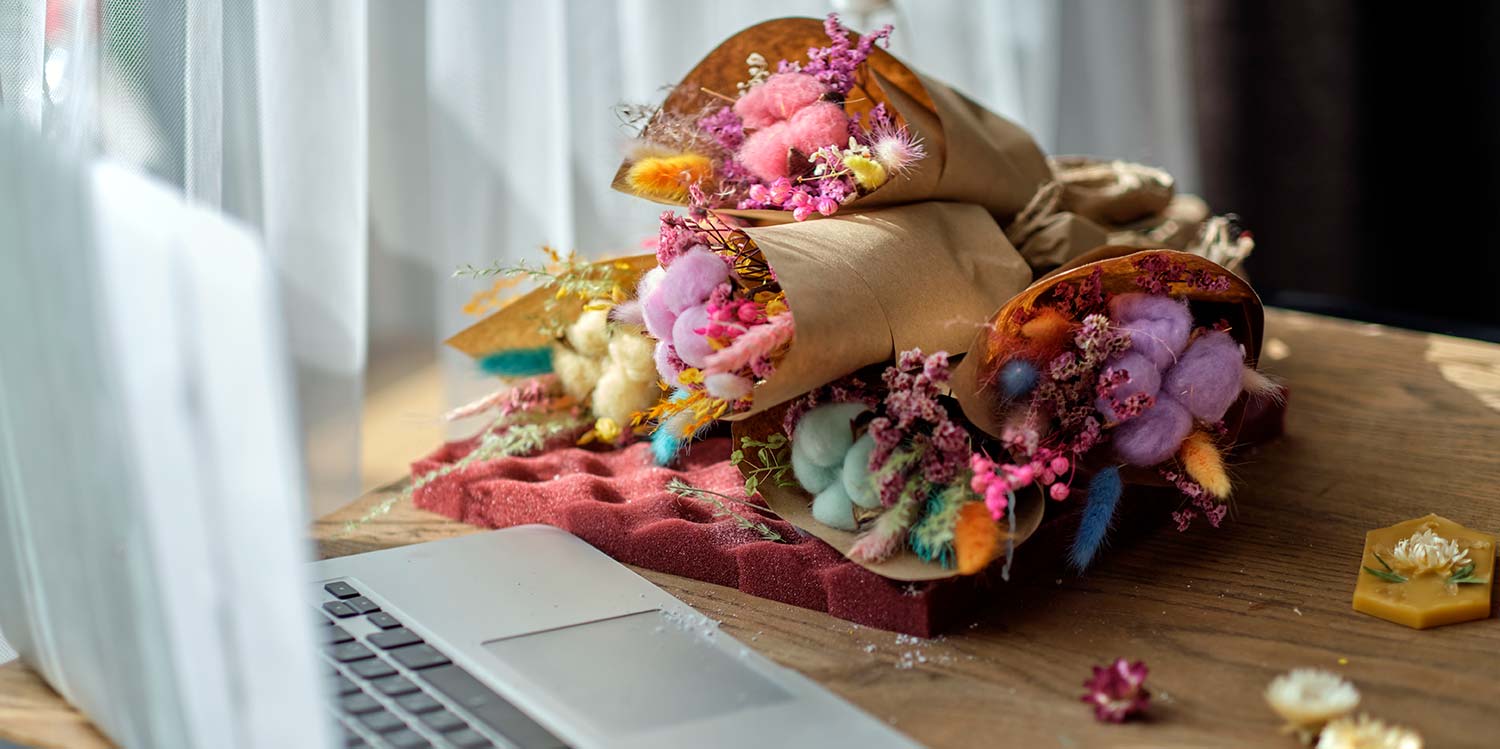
(1365, 732)
(1309, 697)
(1426, 551)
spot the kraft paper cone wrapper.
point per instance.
(794, 505)
(862, 287)
(973, 155)
(515, 325)
(972, 380)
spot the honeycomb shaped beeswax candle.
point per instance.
(1426, 572)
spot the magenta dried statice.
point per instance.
(1081, 298)
(1199, 501)
(1157, 273)
(1118, 691)
(674, 236)
(914, 430)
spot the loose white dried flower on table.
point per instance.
(1307, 698)
(1365, 732)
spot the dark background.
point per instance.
(1360, 143)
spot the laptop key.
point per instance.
(339, 609)
(359, 704)
(382, 722)
(348, 652)
(419, 703)
(361, 605)
(406, 739)
(418, 657)
(342, 686)
(468, 739)
(373, 668)
(394, 686)
(383, 620)
(489, 708)
(443, 721)
(341, 590)
(335, 635)
(394, 638)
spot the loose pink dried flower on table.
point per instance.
(1118, 691)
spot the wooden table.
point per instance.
(1384, 425)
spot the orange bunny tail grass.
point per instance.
(668, 177)
(976, 538)
(1201, 458)
(1046, 334)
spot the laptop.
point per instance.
(153, 553)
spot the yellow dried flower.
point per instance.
(868, 173)
(607, 429)
(690, 376)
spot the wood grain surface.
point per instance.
(1384, 425)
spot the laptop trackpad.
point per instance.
(637, 672)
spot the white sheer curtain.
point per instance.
(524, 144)
(376, 147)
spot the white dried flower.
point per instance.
(1309, 697)
(1426, 551)
(1365, 732)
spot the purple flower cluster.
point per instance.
(1062, 408)
(1081, 298)
(836, 65)
(726, 128)
(1199, 500)
(915, 422)
(1158, 272)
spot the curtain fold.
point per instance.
(377, 146)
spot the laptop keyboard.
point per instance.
(392, 690)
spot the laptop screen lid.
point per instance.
(151, 504)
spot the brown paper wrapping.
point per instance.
(973, 155)
(794, 505)
(971, 379)
(516, 324)
(862, 287)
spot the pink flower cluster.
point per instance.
(914, 420)
(822, 196)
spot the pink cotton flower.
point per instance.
(1118, 691)
(776, 100)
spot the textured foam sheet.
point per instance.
(618, 502)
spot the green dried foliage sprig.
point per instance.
(722, 508)
(775, 462)
(520, 433)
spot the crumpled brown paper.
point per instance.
(864, 286)
(973, 155)
(516, 325)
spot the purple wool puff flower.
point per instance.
(1118, 691)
